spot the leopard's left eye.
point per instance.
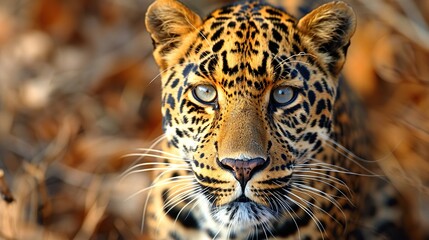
(283, 95)
(205, 93)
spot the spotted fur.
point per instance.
(245, 166)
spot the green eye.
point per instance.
(283, 95)
(205, 93)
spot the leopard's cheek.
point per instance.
(218, 186)
(265, 185)
(195, 138)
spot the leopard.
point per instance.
(263, 137)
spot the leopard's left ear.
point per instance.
(329, 29)
(167, 21)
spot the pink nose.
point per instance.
(243, 170)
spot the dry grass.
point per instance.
(77, 92)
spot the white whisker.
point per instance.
(288, 209)
(309, 213)
(334, 202)
(161, 183)
(147, 150)
(322, 180)
(159, 167)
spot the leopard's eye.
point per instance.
(205, 93)
(283, 95)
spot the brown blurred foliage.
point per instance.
(79, 90)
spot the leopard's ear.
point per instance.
(329, 29)
(167, 21)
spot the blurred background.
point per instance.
(79, 90)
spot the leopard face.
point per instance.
(250, 103)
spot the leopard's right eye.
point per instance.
(283, 95)
(205, 93)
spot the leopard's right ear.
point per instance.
(329, 28)
(167, 21)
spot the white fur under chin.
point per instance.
(244, 216)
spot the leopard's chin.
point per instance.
(243, 215)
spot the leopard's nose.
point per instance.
(243, 169)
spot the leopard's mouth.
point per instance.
(243, 214)
(242, 199)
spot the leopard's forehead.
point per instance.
(247, 45)
(251, 10)
(250, 30)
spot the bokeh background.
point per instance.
(79, 90)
